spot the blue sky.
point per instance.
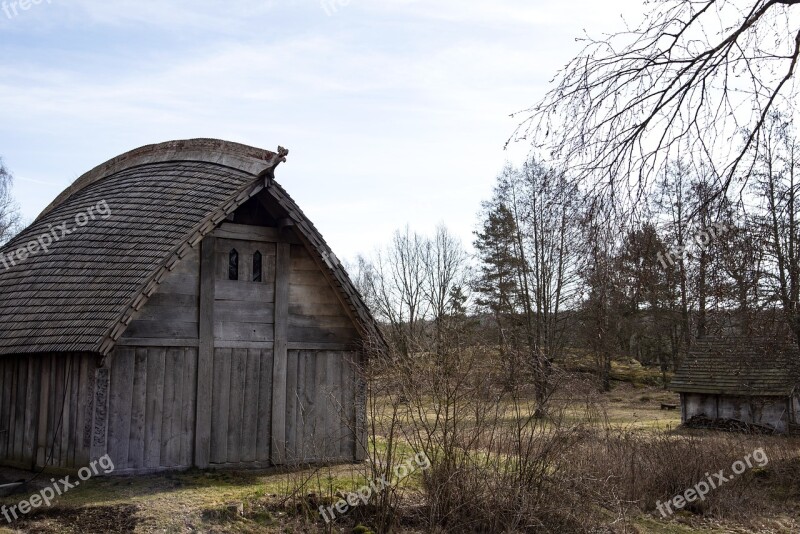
(395, 111)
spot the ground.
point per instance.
(198, 501)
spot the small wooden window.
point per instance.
(257, 267)
(233, 265)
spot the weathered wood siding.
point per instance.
(316, 315)
(244, 310)
(46, 410)
(19, 385)
(241, 416)
(321, 409)
(172, 312)
(151, 415)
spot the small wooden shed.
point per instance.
(189, 314)
(753, 380)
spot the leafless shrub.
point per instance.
(494, 464)
(626, 472)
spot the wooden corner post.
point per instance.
(205, 354)
(282, 266)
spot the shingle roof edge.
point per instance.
(236, 155)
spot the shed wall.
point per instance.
(773, 411)
(697, 404)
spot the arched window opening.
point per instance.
(233, 265)
(257, 267)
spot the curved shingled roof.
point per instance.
(163, 199)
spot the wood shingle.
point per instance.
(741, 366)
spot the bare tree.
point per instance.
(397, 289)
(529, 271)
(674, 202)
(601, 286)
(741, 258)
(414, 282)
(9, 210)
(776, 177)
(447, 269)
(687, 79)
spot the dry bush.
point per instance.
(497, 467)
(626, 471)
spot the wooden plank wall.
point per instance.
(153, 395)
(57, 430)
(19, 377)
(205, 354)
(243, 309)
(316, 315)
(280, 354)
(320, 406)
(151, 420)
(241, 407)
(172, 312)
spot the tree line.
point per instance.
(557, 274)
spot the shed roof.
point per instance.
(163, 199)
(745, 366)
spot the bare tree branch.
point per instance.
(685, 83)
(9, 211)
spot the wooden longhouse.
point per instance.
(204, 322)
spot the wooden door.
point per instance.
(243, 335)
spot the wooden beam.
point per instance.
(246, 232)
(205, 355)
(362, 441)
(155, 342)
(280, 349)
(321, 346)
(223, 344)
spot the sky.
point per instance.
(395, 112)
